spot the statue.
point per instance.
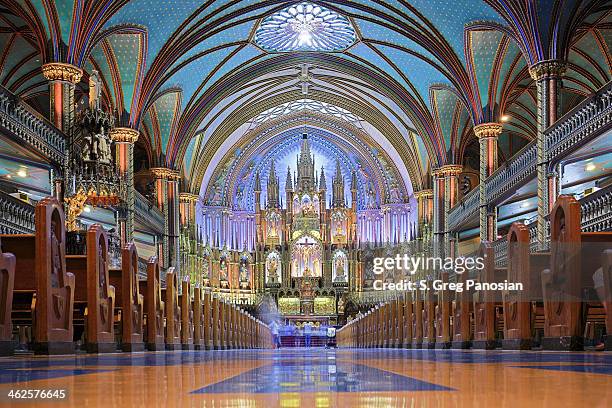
(95, 90)
(272, 267)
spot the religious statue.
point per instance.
(339, 264)
(272, 267)
(95, 90)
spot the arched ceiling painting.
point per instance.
(195, 77)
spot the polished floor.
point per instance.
(314, 378)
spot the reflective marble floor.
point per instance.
(315, 378)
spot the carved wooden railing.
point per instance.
(588, 120)
(20, 121)
(464, 210)
(16, 216)
(585, 122)
(147, 213)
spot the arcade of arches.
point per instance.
(206, 176)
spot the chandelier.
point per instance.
(92, 177)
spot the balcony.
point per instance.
(16, 216)
(465, 210)
(148, 214)
(585, 122)
(596, 215)
(27, 127)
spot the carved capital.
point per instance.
(423, 194)
(188, 197)
(165, 173)
(58, 71)
(448, 170)
(124, 135)
(488, 130)
(547, 69)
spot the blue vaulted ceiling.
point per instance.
(439, 66)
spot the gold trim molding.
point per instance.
(423, 194)
(188, 197)
(448, 170)
(547, 69)
(165, 173)
(58, 71)
(124, 135)
(488, 130)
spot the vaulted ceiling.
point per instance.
(191, 75)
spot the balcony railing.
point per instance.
(589, 119)
(585, 122)
(16, 216)
(147, 213)
(465, 210)
(596, 215)
(26, 125)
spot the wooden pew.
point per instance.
(442, 315)
(417, 319)
(129, 299)
(93, 290)
(399, 323)
(607, 294)
(187, 312)
(223, 320)
(7, 281)
(199, 322)
(429, 317)
(43, 285)
(520, 309)
(484, 301)
(407, 321)
(154, 306)
(575, 257)
(208, 321)
(173, 311)
(462, 315)
(216, 323)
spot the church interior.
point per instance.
(208, 203)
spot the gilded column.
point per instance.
(451, 173)
(487, 134)
(124, 139)
(62, 81)
(424, 209)
(438, 212)
(547, 76)
(166, 190)
(187, 218)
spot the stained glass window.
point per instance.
(305, 27)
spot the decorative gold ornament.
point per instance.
(448, 170)
(188, 197)
(547, 69)
(423, 194)
(76, 205)
(488, 130)
(58, 71)
(124, 135)
(165, 173)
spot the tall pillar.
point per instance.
(487, 134)
(424, 211)
(166, 190)
(438, 213)
(124, 139)
(451, 174)
(62, 80)
(187, 222)
(547, 76)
